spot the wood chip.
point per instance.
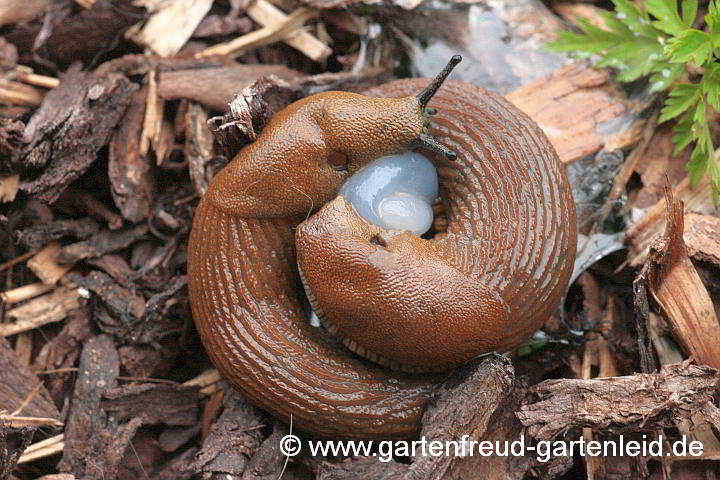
(154, 107)
(40, 311)
(268, 15)
(16, 93)
(170, 26)
(154, 403)
(656, 165)
(95, 446)
(287, 29)
(199, 147)
(463, 405)
(580, 111)
(45, 266)
(233, 439)
(23, 399)
(45, 448)
(58, 357)
(20, 421)
(86, 202)
(679, 291)
(641, 234)
(572, 11)
(9, 187)
(11, 146)
(702, 237)
(129, 169)
(14, 261)
(25, 74)
(67, 229)
(80, 35)
(216, 87)
(617, 404)
(73, 123)
(14, 11)
(696, 426)
(208, 381)
(23, 347)
(103, 242)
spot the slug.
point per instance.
(487, 282)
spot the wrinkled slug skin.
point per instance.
(511, 231)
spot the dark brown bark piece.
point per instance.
(85, 35)
(11, 145)
(8, 55)
(641, 306)
(233, 440)
(87, 432)
(216, 87)
(504, 426)
(84, 201)
(679, 291)
(118, 310)
(173, 438)
(62, 352)
(178, 467)
(268, 462)
(198, 147)
(218, 25)
(103, 242)
(128, 168)
(462, 405)
(702, 237)
(145, 361)
(17, 384)
(40, 235)
(617, 404)
(9, 456)
(154, 403)
(250, 111)
(74, 121)
(95, 444)
(362, 467)
(159, 319)
(115, 266)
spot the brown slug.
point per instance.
(486, 283)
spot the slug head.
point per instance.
(362, 128)
(310, 148)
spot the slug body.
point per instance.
(487, 283)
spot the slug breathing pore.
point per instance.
(396, 305)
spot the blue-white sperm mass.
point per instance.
(395, 192)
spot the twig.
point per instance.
(45, 448)
(264, 36)
(268, 15)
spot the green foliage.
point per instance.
(659, 42)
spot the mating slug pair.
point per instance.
(485, 283)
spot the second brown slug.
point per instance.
(485, 283)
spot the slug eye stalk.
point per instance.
(427, 141)
(423, 98)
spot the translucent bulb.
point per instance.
(395, 192)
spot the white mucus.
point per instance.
(395, 192)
